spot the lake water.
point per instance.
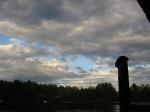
(115, 109)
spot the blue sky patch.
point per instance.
(81, 61)
(4, 39)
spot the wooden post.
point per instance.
(123, 80)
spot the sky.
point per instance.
(73, 42)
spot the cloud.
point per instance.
(16, 51)
(103, 24)
(90, 79)
(99, 27)
(140, 73)
(32, 70)
(19, 62)
(101, 30)
(33, 12)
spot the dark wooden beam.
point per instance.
(145, 5)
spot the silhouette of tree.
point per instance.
(20, 95)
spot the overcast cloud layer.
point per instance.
(47, 36)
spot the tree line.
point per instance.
(140, 93)
(28, 95)
(31, 95)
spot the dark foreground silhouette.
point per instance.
(123, 79)
(145, 6)
(29, 95)
(19, 95)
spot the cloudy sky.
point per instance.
(73, 42)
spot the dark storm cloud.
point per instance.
(33, 11)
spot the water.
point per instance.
(115, 109)
(70, 111)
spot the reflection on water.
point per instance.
(72, 111)
(115, 109)
(83, 111)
